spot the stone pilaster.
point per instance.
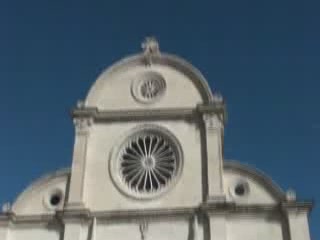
(218, 226)
(76, 190)
(298, 224)
(193, 228)
(4, 231)
(214, 134)
(94, 229)
(76, 230)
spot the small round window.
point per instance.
(53, 199)
(148, 87)
(240, 189)
(147, 164)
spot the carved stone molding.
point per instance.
(140, 216)
(129, 115)
(77, 206)
(82, 125)
(217, 98)
(291, 195)
(297, 206)
(212, 122)
(216, 199)
(218, 208)
(163, 113)
(148, 87)
(74, 216)
(6, 207)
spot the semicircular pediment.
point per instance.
(136, 82)
(247, 185)
(44, 195)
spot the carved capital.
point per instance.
(82, 125)
(212, 122)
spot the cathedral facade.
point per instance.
(148, 165)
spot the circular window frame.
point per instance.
(48, 196)
(116, 153)
(235, 184)
(142, 78)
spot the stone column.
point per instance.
(298, 224)
(76, 190)
(214, 133)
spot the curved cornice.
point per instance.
(162, 59)
(42, 181)
(258, 176)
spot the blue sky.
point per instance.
(263, 56)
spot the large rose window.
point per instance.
(148, 162)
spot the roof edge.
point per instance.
(257, 175)
(40, 181)
(163, 58)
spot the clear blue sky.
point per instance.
(263, 56)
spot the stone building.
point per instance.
(148, 165)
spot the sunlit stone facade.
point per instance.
(148, 165)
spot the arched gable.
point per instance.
(36, 198)
(260, 189)
(113, 88)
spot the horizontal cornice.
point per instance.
(299, 206)
(212, 208)
(145, 114)
(170, 213)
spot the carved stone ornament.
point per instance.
(143, 228)
(6, 208)
(82, 125)
(150, 48)
(147, 163)
(212, 122)
(291, 195)
(148, 87)
(80, 104)
(217, 98)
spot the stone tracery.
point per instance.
(148, 162)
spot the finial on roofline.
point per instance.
(150, 48)
(6, 207)
(291, 195)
